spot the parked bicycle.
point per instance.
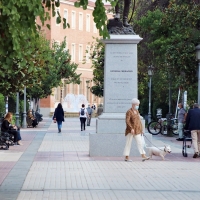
(160, 126)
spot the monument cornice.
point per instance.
(122, 39)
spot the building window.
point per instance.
(66, 48)
(65, 91)
(73, 19)
(80, 87)
(66, 15)
(87, 56)
(88, 23)
(72, 88)
(57, 10)
(73, 50)
(81, 21)
(94, 28)
(57, 93)
(80, 52)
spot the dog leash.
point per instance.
(152, 144)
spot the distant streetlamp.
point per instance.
(24, 113)
(17, 109)
(169, 115)
(150, 73)
(198, 59)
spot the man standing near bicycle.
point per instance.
(181, 121)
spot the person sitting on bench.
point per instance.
(6, 126)
(34, 120)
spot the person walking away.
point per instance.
(134, 130)
(193, 124)
(83, 114)
(6, 126)
(89, 111)
(181, 121)
(59, 116)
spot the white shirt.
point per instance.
(85, 115)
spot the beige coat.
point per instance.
(133, 121)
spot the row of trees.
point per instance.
(50, 65)
(170, 30)
(25, 56)
(27, 59)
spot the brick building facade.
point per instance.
(79, 38)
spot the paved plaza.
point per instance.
(57, 166)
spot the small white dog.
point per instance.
(159, 151)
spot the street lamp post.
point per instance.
(24, 114)
(198, 59)
(169, 129)
(150, 73)
(17, 109)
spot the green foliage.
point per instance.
(2, 105)
(57, 67)
(97, 57)
(170, 35)
(18, 36)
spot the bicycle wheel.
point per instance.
(154, 128)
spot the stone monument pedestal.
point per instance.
(120, 87)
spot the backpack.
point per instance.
(83, 111)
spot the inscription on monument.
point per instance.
(120, 77)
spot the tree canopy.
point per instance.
(170, 32)
(24, 57)
(170, 37)
(58, 67)
(97, 56)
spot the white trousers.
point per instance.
(139, 142)
(196, 140)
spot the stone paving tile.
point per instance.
(5, 168)
(100, 175)
(10, 155)
(107, 195)
(61, 168)
(79, 155)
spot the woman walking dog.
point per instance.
(134, 130)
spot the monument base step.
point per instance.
(71, 114)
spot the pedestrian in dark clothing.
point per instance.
(193, 124)
(59, 116)
(83, 114)
(6, 126)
